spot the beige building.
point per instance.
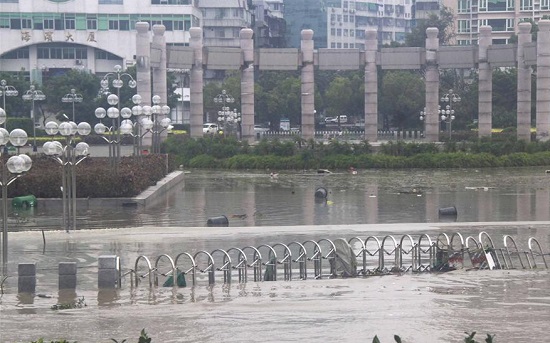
(502, 15)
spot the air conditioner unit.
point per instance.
(332, 22)
(78, 62)
(345, 9)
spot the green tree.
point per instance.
(402, 98)
(16, 107)
(345, 96)
(85, 84)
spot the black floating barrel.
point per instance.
(321, 193)
(217, 221)
(448, 211)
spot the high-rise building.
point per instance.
(502, 15)
(223, 20)
(306, 14)
(342, 23)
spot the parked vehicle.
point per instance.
(334, 120)
(210, 128)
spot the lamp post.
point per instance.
(33, 95)
(6, 90)
(448, 113)
(113, 112)
(101, 129)
(12, 168)
(223, 99)
(68, 157)
(72, 97)
(151, 123)
(230, 118)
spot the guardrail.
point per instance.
(345, 134)
(354, 257)
(311, 259)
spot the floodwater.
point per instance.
(420, 307)
(370, 197)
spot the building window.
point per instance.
(91, 23)
(48, 24)
(219, 33)
(498, 25)
(124, 25)
(464, 6)
(497, 5)
(113, 24)
(463, 26)
(333, 31)
(526, 5)
(463, 42)
(178, 25)
(545, 4)
(510, 25)
(70, 23)
(483, 5)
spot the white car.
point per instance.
(209, 128)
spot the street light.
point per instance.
(6, 90)
(101, 129)
(72, 97)
(448, 113)
(68, 157)
(151, 123)
(229, 119)
(223, 99)
(113, 100)
(33, 95)
(16, 166)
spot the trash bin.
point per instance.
(321, 193)
(24, 201)
(448, 211)
(217, 221)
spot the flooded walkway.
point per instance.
(428, 307)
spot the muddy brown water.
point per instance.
(426, 307)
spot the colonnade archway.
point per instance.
(154, 58)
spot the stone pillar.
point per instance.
(159, 77)
(247, 86)
(143, 65)
(432, 85)
(67, 275)
(485, 91)
(108, 271)
(26, 282)
(543, 80)
(371, 86)
(524, 85)
(197, 105)
(308, 86)
(159, 74)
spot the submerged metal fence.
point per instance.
(325, 258)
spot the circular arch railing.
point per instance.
(389, 254)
